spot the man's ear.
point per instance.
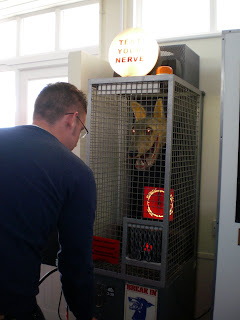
(70, 120)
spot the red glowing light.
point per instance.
(147, 247)
(154, 201)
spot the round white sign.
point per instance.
(133, 53)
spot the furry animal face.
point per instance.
(148, 135)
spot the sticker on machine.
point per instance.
(140, 303)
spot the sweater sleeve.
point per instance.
(75, 237)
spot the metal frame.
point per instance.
(226, 287)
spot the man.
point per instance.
(44, 186)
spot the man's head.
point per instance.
(61, 109)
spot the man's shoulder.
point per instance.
(26, 131)
(80, 165)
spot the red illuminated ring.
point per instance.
(148, 206)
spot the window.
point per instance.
(53, 31)
(36, 48)
(8, 36)
(174, 18)
(7, 99)
(80, 27)
(228, 14)
(38, 34)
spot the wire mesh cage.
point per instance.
(144, 150)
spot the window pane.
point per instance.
(7, 99)
(172, 18)
(80, 27)
(38, 34)
(34, 88)
(8, 37)
(228, 14)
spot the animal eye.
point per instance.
(148, 131)
(133, 130)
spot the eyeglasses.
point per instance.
(84, 130)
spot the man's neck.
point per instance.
(57, 129)
(45, 126)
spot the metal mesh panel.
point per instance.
(184, 177)
(108, 150)
(144, 273)
(147, 212)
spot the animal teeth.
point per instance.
(141, 164)
(145, 161)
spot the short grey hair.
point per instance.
(58, 98)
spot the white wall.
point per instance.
(111, 24)
(209, 51)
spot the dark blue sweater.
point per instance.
(43, 186)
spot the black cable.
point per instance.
(44, 278)
(60, 299)
(203, 314)
(47, 275)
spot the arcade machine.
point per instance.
(144, 147)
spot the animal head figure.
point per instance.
(148, 135)
(140, 306)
